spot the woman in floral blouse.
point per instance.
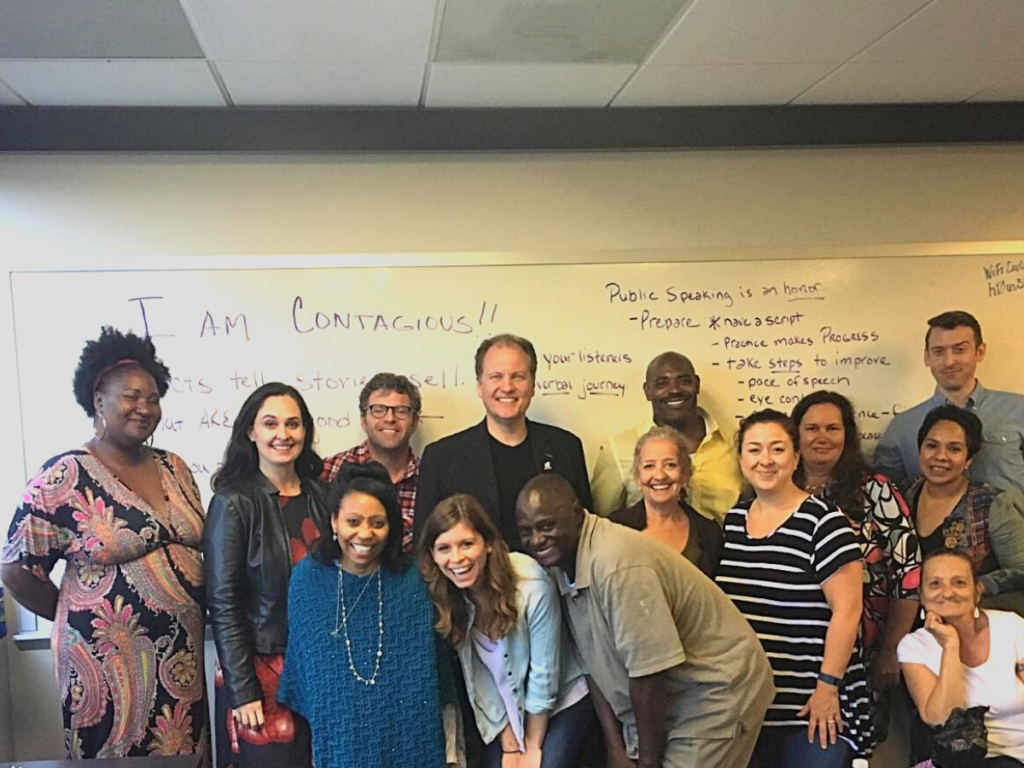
(832, 467)
(127, 518)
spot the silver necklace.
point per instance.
(342, 612)
(337, 625)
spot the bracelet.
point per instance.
(829, 679)
(510, 751)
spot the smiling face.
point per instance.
(278, 432)
(822, 436)
(461, 555)
(361, 526)
(953, 356)
(672, 388)
(505, 384)
(659, 472)
(948, 587)
(550, 532)
(130, 405)
(389, 432)
(943, 454)
(767, 457)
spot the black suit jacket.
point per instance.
(462, 463)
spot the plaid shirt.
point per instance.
(966, 528)
(406, 487)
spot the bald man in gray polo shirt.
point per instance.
(678, 677)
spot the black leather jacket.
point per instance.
(247, 564)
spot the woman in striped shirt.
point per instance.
(792, 566)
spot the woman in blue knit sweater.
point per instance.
(361, 664)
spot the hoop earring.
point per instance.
(101, 432)
(151, 440)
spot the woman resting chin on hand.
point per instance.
(965, 657)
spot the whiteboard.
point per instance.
(760, 333)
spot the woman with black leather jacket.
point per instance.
(268, 510)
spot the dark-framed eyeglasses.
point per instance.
(379, 411)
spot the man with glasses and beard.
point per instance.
(389, 408)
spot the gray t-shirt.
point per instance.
(638, 608)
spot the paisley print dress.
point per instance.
(128, 635)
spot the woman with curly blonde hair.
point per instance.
(501, 612)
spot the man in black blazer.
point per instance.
(494, 459)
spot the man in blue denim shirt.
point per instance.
(953, 349)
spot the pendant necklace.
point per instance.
(342, 612)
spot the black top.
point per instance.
(933, 542)
(463, 463)
(247, 563)
(514, 466)
(704, 547)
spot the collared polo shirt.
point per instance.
(713, 490)
(999, 463)
(637, 608)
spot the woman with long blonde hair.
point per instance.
(501, 612)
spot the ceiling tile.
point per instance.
(722, 84)
(9, 97)
(95, 29)
(120, 83)
(362, 85)
(342, 31)
(525, 85)
(552, 31)
(1011, 89)
(955, 30)
(902, 82)
(778, 31)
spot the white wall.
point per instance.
(155, 211)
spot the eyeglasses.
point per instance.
(379, 411)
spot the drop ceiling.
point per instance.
(508, 53)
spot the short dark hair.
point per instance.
(970, 423)
(109, 352)
(372, 479)
(768, 416)
(390, 382)
(956, 318)
(506, 340)
(242, 458)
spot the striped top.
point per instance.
(775, 582)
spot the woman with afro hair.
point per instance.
(127, 517)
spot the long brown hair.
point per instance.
(498, 580)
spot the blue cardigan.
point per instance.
(394, 723)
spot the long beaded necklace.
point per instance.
(341, 614)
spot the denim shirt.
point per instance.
(1000, 463)
(542, 664)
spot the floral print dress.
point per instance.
(128, 634)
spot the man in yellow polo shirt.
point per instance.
(672, 387)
